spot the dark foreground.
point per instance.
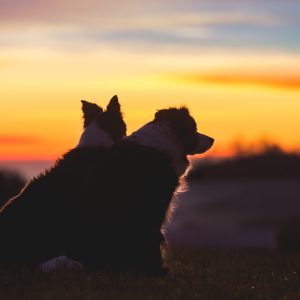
(194, 275)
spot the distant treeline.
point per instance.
(268, 164)
(10, 185)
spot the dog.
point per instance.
(127, 208)
(35, 225)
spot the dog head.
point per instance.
(184, 127)
(102, 127)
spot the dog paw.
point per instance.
(60, 263)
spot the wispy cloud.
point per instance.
(18, 140)
(67, 11)
(264, 12)
(278, 81)
(227, 24)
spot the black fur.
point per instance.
(113, 220)
(112, 121)
(125, 217)
(90, 112)
(182, 124)
(38, 224)
(129, 205)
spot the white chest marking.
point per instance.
(94, 136)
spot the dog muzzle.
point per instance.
(205, 142)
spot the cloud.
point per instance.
(18, 140)
(144, 11)
(279, 81)
(32, 11)
(72, 25)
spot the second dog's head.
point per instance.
(102, 127)
(174, 133)
(184, 127)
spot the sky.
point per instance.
(235, 64)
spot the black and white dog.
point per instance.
(36, 225)
(126, 209)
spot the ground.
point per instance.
(205, 274)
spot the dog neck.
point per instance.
(160, 137)
(94, 136)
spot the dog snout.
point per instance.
(211, 140)
(205, 142)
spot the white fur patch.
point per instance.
(60, 263)
(161, 137)
(94, 136)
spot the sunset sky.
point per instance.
(235, 64)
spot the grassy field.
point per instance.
(194, 275)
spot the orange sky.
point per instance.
(246, 87)
(41, 118)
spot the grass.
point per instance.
(194, 274)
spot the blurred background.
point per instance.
(235, 64)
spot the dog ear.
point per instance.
(114, 105)
(90, 112)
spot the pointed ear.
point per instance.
(90, 112)
(114, 105)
